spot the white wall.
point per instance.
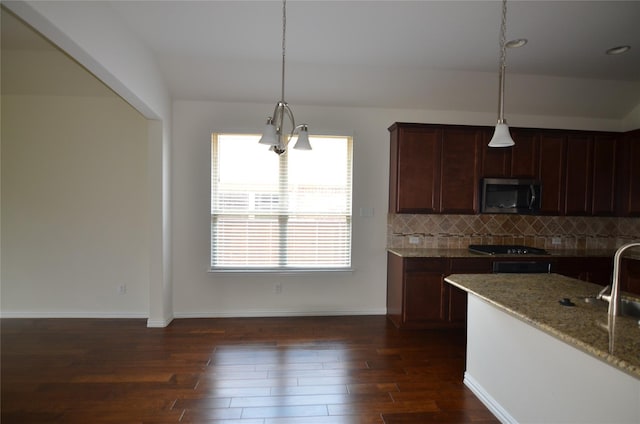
(94, 36)
(74, 207)
(199, 293)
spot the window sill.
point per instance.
(280, 271)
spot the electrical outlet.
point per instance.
(414, 240)
(278, 288)
(556, 241)
(122, 289)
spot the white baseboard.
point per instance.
(488, 400)
(164, 322)
(274, 314)
(159, 323)
(66, 314)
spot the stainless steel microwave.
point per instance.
(510, 195)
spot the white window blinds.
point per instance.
(291, 211)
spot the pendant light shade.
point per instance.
(269, 136)
(303, 139)
(501, 136)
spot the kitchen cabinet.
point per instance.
(628, 175)
(457, 297)
(519, 161)
(598, 270)
(459, 169)
(434, 169)
(437, 169)
(551, 158)
(605, 155)
(578, 175)
(417, 295)
(630, 275)
(577, 171)
(414, 172)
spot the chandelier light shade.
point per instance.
(274, 134)
(502, 136)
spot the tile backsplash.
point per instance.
(547, 232)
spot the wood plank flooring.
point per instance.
(355, 370)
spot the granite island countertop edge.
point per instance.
(586, 338)
(465, 253)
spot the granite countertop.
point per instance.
(465, 253)
(534, 299)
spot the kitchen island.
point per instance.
(531, 359)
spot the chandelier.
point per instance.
(274, 134)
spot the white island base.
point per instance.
(524, 375)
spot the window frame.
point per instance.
(283, 269)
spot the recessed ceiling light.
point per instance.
(519, 42)
(618, 50)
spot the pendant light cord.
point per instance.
(284, 32)
(503, 60)
(503, 35)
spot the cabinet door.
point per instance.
(415, 166)
(519, 161)
(424, 298)
(597, 270)
(578, 188)
(634, 175)
(571, 267)
(628, 182)
(552, 155)
(496, 162)
(604, 158)
(524, 154)
(480, 265)
(395, 281)
(457, 305)
(630, 275)
(460, 170)
(600, 270)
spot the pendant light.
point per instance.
(501, 136)
(274, 134)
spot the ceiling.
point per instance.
(395, 54)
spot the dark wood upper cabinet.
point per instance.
(578, 181)
(519, 161)
(459, 170)
(434, 169)
(552, 156)
(437, 169)
(628, 175)
(414, 183)
(496, 162)
(605, 153)
(524, 154)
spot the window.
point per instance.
(286, 212)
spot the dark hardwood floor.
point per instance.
(242, 371)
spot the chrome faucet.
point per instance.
(614, 297)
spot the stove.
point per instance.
(506, 249)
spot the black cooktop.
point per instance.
(506, 249)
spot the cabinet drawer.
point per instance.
(470, 265)
(438, 265)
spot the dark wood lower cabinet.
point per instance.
(598, 270)
(630, 275)
(418, 296)
(424, 297)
